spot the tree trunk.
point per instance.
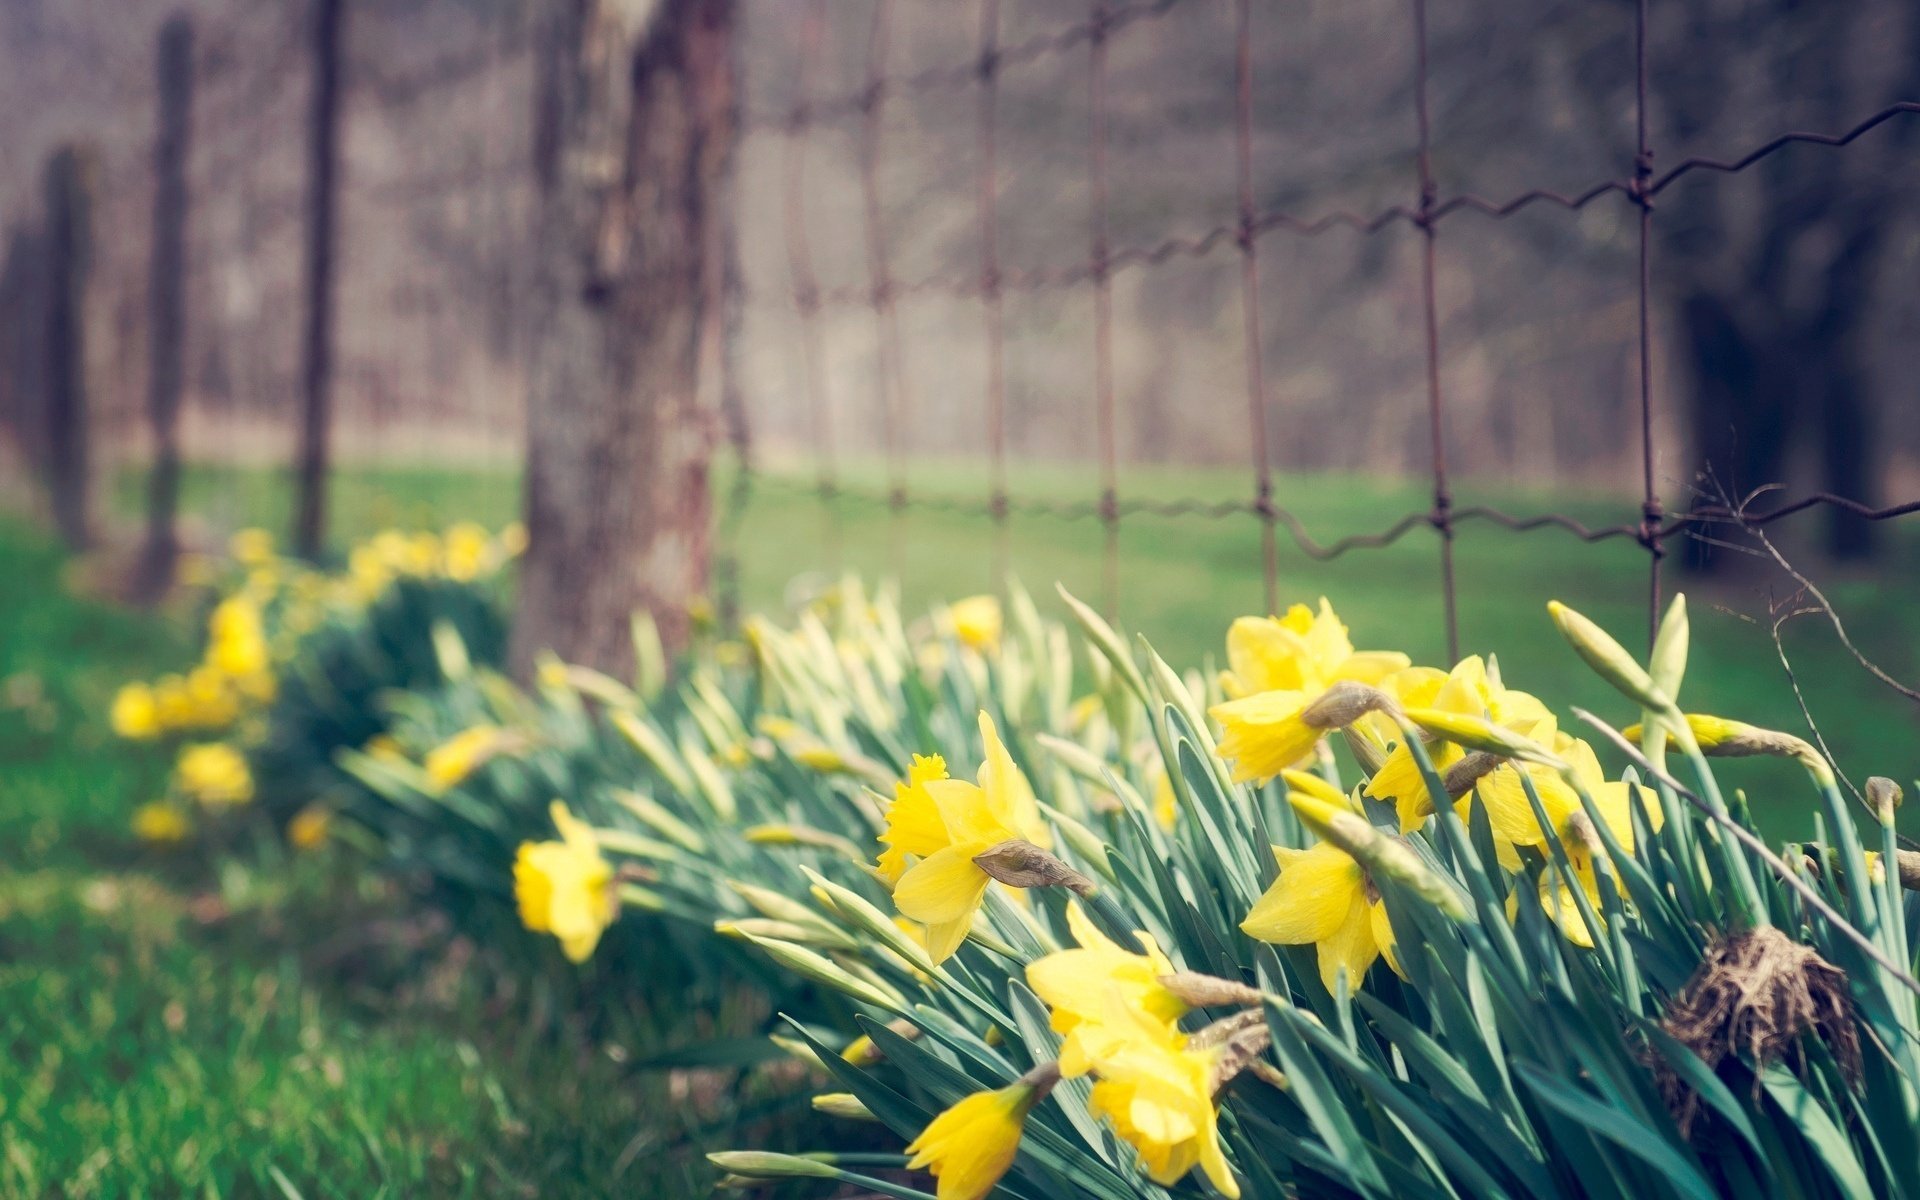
(167, 313)
(634, 142)
(69, 203)
(316, 369)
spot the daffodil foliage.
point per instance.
(1326, 922)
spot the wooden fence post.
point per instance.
(316, 370)
(167, 310)
(69, 188)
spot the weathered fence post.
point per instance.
(167, 309)
(634, 138)
(316, 369)
(70, 179)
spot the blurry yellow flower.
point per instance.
(134, 714)
(160, 823)
(310, 826)
(173, 706)
(1166, 806)
(1300, 652)
(421, 555)
(976, 621)
(460, 755)
(384, 747)
(1160, 1101)
(466, 548)
(970, 1145)
(944, 823)
(236, 638)
(513, 539)
(1096, 991)
(251, 547)
(213, 773)
(567, 887)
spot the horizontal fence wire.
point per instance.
(992, 279)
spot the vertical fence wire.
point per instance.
(988, 186)
(1442, 516)
(1248, 244)
(889, 376)
(806, 283)
(1640, 192)
(1102, 273)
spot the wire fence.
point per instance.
(1638, 186)
(245, 103)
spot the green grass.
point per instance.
(194, 1024)
(187, 1023)
(1182, 579)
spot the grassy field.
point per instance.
(1182, 579)
(245, 1025)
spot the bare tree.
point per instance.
(634, 137)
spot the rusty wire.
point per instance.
(992, 280)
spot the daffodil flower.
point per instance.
(215, 774)
(1159, 1099)
(969, 1147)
(1514, 823)
(1470, 689)
(1323, 898)
(976, 621)
(566, 888)
(943, 823)
(1093, 990)
(1300, 652)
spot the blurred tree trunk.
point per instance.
(66, 466)
(634, 139)
(167, 308)
(316, 367)
(1773, 289)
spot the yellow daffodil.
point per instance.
(309, 828)
(976, 621)
(1470, 689)
(251, 547)
(970, 1145)
(513, 539)
(1166, 806)
(567, 887)
(449, 763)
(1159, 1099)
(466, 548)
(215, 774)
(236, 637)
(1265, 733)
(1323, 898)
(160, 823)
(1515, 824)
(1300, 652)
(135, 715)
(944, 823)
(1083, 986)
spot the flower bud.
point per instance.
(1381, 854)
(1022, 864)
(1608, 658)
(821, 969)
(1883, 797)
(1344, 703)
(1208, 991)
(844, 1105)
(1478, 733)
(1667, 665)
(763, 1164)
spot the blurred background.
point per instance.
(956, 343)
